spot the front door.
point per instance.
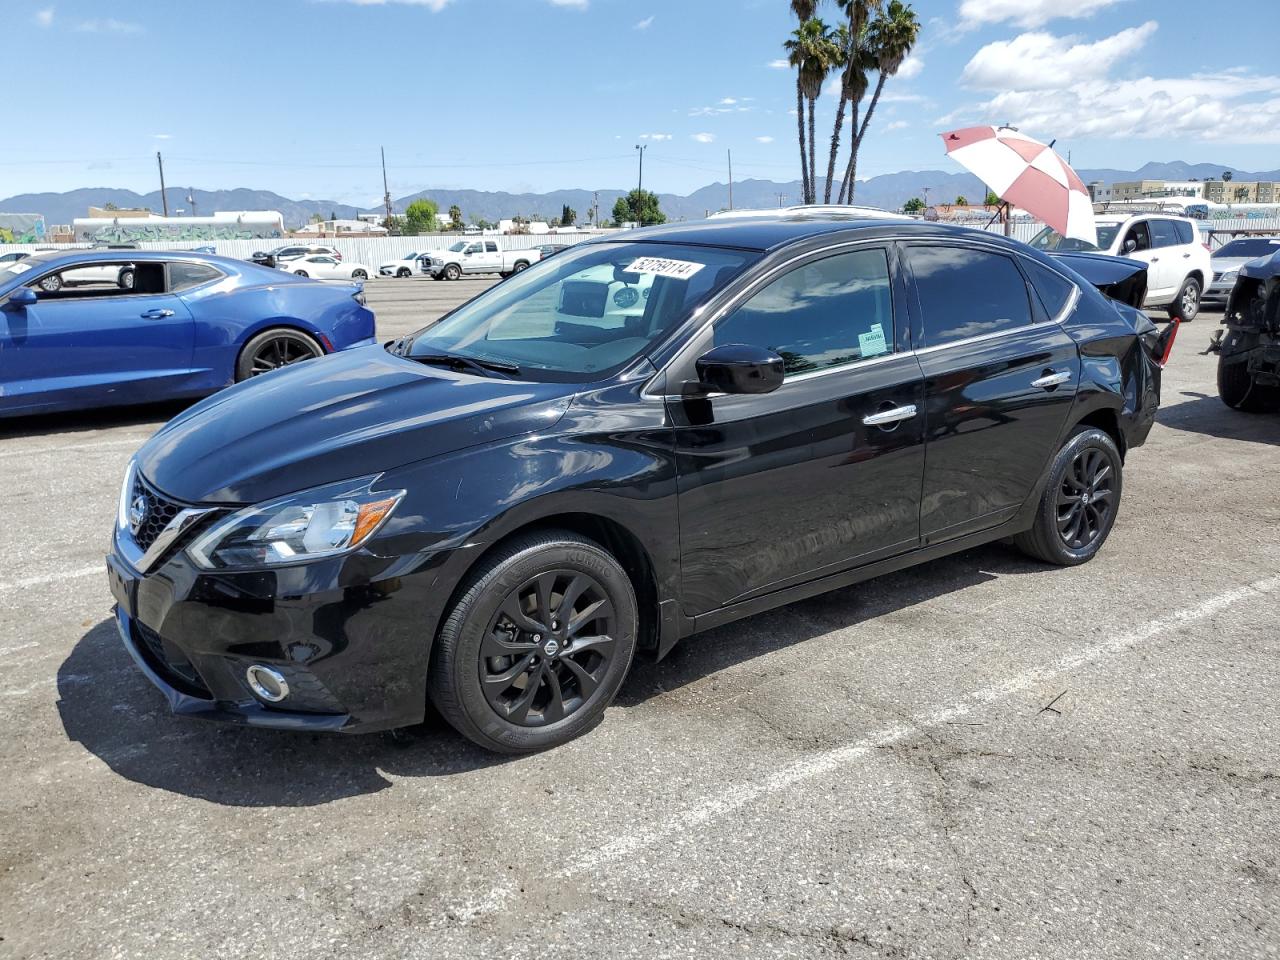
(101, 344)
(999, 381)
(822, 474)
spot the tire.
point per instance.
(275, 348)
(520, 266)
(1187, 303)
(504, 275)
(402, 273)
(1075, 486)
(359, 275)
(51, 283)
(125, 280)
(566, 701)
(452, 272)
(300, 273)
(1238, 390)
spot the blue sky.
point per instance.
(296, 96)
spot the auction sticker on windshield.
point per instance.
(662, 267)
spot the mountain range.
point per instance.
(889, 191)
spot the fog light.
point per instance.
(266, 683)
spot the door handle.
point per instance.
(157, 314)
(1051, 379)
(1186, 256)
(893, 415)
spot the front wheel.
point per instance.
(300, 273)
(1079, 503)
(452, 272)
(125, 280)
(359, 275)
(1187, 303)
(51, 283)
(402, 273)
(538, 644)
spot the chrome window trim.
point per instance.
(750, 291)
(980, 338)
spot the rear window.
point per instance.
(967, 293)
(1186, 232)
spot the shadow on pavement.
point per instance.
(106, 418)
(107, 705)
(1208, 415)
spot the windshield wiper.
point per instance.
(475, 365)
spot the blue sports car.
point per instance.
(90, 328)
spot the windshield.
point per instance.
(459, 246)
(1051, 239)
(1252, 247)
(411, 256)
(584, 314)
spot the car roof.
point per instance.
(132, 256)
(770, 233)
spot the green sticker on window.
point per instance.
(872, 344)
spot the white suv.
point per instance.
(1178, 263)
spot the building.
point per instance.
(1144, 189)
(128, 227)
(343, 228)
(1242, 191)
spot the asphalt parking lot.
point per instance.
(981, 757)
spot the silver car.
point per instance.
(1227, 261)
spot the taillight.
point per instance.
(1163, 346)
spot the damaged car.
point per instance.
(637, 440)
(1249, 351)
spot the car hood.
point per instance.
(1222, 264)
(351, 414)
(1262, 268)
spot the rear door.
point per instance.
(1000, 377)
(97, 345)
(785, 487)
(1169, 258)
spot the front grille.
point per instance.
(159, 512)
(170, 662)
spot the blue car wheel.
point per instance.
(273, 349)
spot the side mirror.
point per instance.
(739, 368)
(22, 298)
(1130, 245)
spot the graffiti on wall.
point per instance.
(21, 228)
(141, 231)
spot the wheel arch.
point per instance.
(1107, 420)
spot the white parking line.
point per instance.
(99, 568)
(735, 797)
(12, 451)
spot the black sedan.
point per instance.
(638, 440)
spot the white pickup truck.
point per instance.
(477, 256)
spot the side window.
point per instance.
(826, 313)
(491, 247)
(1053, 289)
(1139, 235)
(184, 276)
(474, 248)
(1163, 233)
(965, 292)
(1185, 231)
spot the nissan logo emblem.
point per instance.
(138, 512)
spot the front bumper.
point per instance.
(1216, 294)
(351, 634)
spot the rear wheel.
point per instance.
(273, 349)
(51, 284)
(520, 266)
(538, 644)
(125, 280)
(359, 275)
(300, 273)
(1187, 303)
(1079, 503)
(1240, 391)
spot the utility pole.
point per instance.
(781, 197)
(595, 210)
(386, 191)
(164, 200)
(640, 184)
(191, 199)
(730, 179)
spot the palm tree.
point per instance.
(853, 63)
(804, 11)
(891, 36)
(813, 51)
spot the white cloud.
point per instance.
(644, 24)
(1042, 61)
(162, 136)
(704, 137)
(1026, 13)
(778, 65)
(655, 136)
(579, 4)
(435, 6)
(44, 17)
(107, 26)
(728, 102)
(911, 67)
(898, 125)
(764, 139)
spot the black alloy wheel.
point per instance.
(301, 273)
(536, 644)
(1085, 499)
(359, 275)
(548, 648)
(274, 349)
(1081, 498)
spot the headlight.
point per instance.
(323, 522)
(1229, 276)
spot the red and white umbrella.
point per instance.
(1028, 174)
